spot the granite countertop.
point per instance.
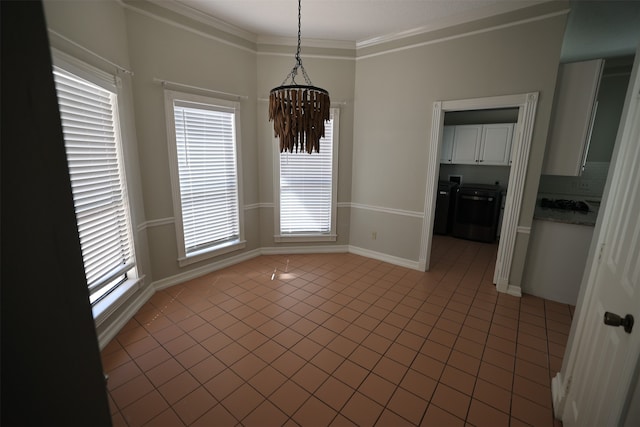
(568, 217)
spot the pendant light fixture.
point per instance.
(298, 111)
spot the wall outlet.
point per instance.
(374, 235)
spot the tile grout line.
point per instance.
(381, 284)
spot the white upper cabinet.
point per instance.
(572, 119)
(446, 155)
(496, 144)
(479, 144)
(466, 143)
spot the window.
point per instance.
(90, 124)
(203, 136)
(306, 194)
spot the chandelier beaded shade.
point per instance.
(298, 111)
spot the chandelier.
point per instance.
(298, 111)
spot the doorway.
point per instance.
(475, 205)
(526, 105)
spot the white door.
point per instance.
(466, 143)
(496, 144)
(606, 356)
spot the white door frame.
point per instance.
(526, 104)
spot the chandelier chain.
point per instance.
(299, 112)
(299, 32)
(294, 71)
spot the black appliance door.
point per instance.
(478, 210)
(476, 215)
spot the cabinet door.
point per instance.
(446, 154)
(466, 144)
(495, 148)
(572, 118)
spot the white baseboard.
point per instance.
(402, 262)
(557, 393)
(514, 290)
(118, 323)
(320, 249)
(201, 271)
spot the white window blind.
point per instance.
(92, 141)
(306, 188)
(206, 152)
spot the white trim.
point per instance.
(256, 40)
(514, 290)
(433, 172)
(526, 103)
(258, 206)
(173, 23)
(166, 84)
(456, 36)
(298, 250)
(269, 205)
(206, 269)
(319, 43)
(402, 262)
(205, 18)
(118, 323)
(443, 24)
(119, 68)
(523, 230)
(212, 252)
(79, 68)
(170, 97)
(155, 223)
(114, 300)
(558, 394)
(382, 209)
(317, 237)
(309, 55)
(520, 150)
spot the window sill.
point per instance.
(315, 237)
(109, 304)
(212, 252)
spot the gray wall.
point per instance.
(395, 92)
(163, 51)
(385, 95)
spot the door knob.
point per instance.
(612, 319)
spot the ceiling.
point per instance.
(355, 21)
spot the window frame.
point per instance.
(332, 235)
(112, 300)
(170, 96)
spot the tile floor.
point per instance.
(339, 339)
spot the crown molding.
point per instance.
(205, 18)
(177, 8)
(475, 15)
(319, 43)
(405, 42)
